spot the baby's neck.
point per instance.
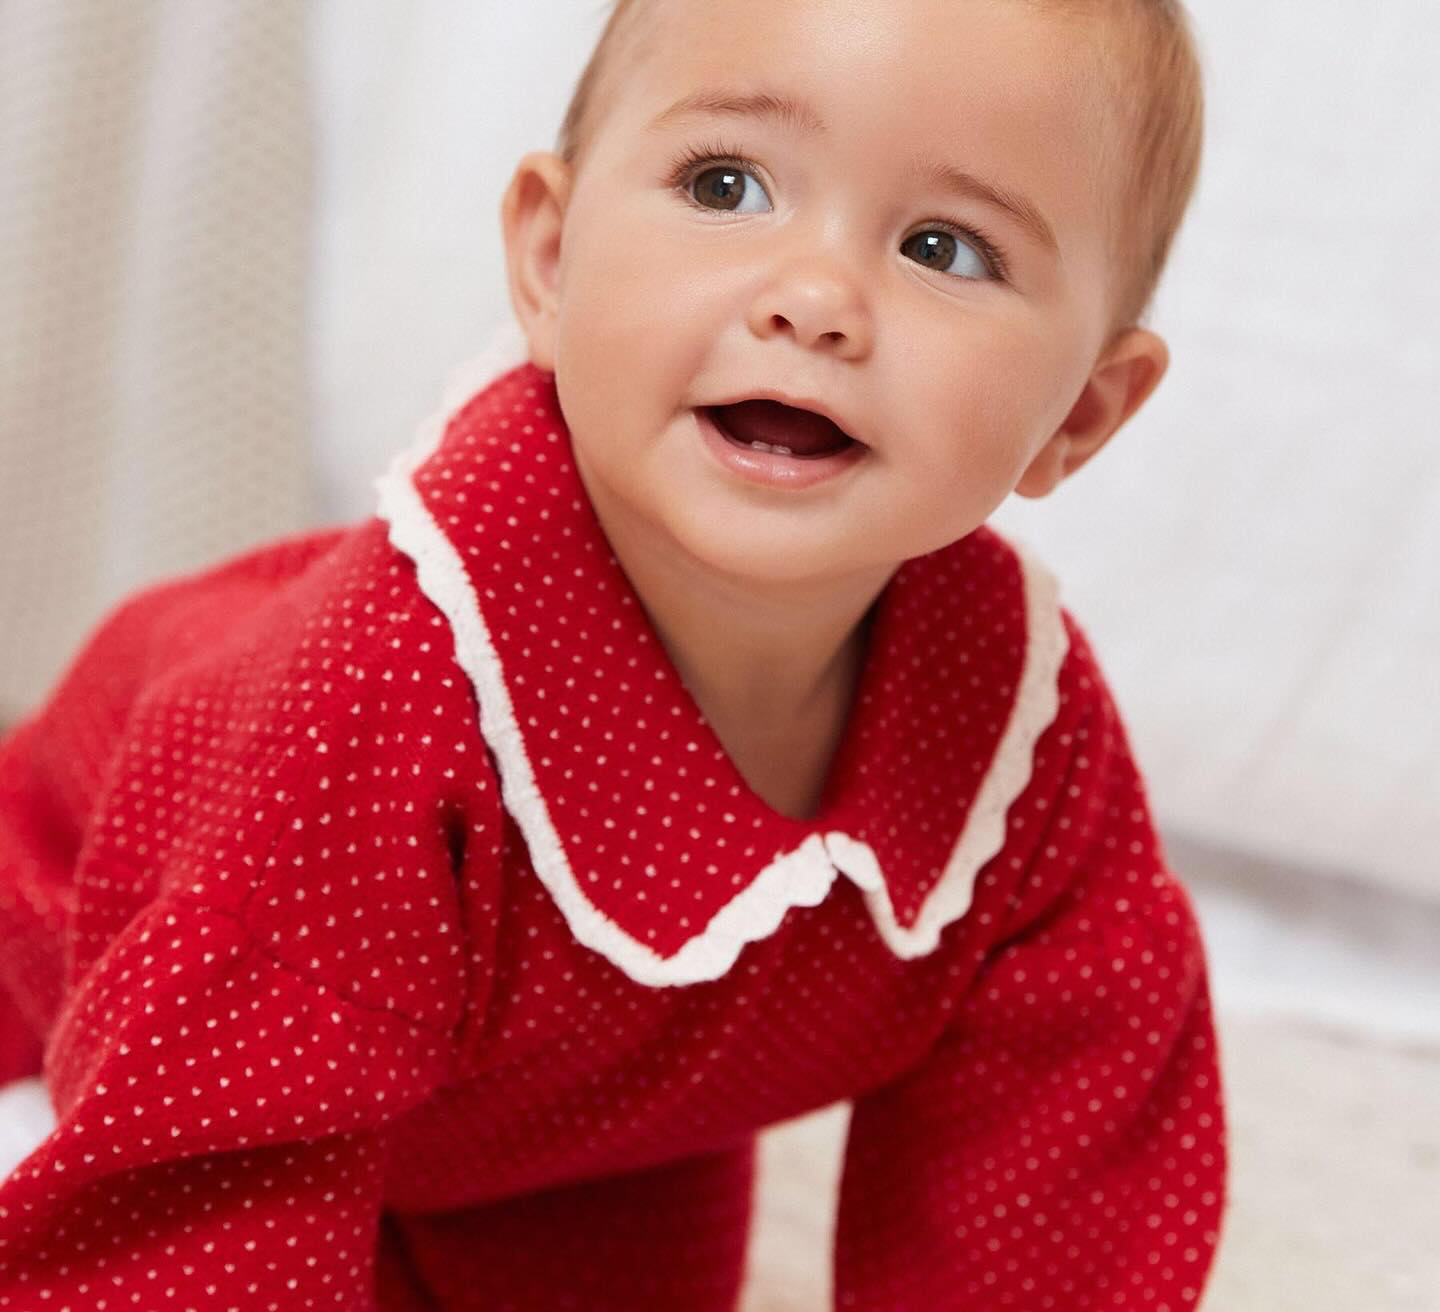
(787, 760)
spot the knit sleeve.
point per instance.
(52, 767)
(36, 855)
(1063, 1143)
(57, 767)
(251, 1006)
(221, 1133)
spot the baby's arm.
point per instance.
(220, 1143)
(1063, 1146)
(52, 773)
(226, 1061)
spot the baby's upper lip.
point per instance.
(799, 402)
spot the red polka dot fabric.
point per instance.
(393, 932)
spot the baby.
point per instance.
(430, 912)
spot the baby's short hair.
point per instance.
(1149, 76)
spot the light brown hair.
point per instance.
(1148, 76)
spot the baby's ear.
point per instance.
(1128, 371)
(532, 216)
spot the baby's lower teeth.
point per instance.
(777, 450)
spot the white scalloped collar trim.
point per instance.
(801, 876)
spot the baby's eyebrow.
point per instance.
(798, 116)
(788, 110)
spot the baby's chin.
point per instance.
(768, 553)
(759, 568)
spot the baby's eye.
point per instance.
(936, 248)
(725, 185)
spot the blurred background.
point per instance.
(245, 243)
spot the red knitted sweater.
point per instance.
(396, 933)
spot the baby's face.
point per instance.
(833, 262)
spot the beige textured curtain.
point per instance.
(155, 203)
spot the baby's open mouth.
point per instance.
(773, 426)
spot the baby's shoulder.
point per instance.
(1021, 593)
(1084, 691)
(299, 756)
(273, 636)
(248, 683)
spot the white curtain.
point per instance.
(155, 226)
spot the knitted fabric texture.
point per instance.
(392, 932)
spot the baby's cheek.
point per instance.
(610, 295)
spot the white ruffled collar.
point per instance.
(652, 845)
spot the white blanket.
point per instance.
(26, 1117)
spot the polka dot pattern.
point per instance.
(319, 1036)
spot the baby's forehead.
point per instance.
(913, 53)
